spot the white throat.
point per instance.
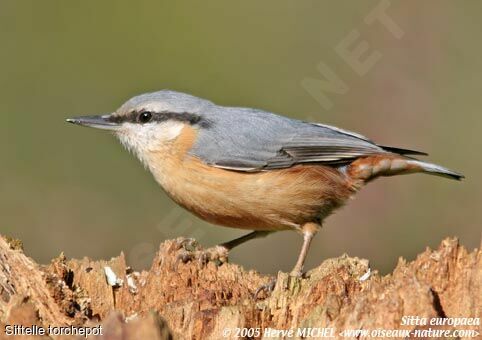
(142, 139)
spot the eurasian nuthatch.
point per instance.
(252, 169)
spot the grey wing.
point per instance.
(252, 140)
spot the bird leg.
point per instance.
(309, 230)
(240, 240)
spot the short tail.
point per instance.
(369, 168)
(434, 169)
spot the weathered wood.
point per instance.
(198, 300)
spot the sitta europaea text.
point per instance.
(252, 169)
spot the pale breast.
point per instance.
(271, 200)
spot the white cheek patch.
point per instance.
(169, 130)
(144, 138)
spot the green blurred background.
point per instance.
(64, 188)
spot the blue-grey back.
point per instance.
(252, 140)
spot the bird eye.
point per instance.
(144, 117)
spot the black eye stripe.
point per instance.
(134, 117)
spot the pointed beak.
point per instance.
(98, 122)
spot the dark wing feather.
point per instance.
(403, 151)
(337, 148)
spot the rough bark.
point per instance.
(191, 299)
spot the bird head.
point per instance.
(148, 122)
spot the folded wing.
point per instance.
(253, 140)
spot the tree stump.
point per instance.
(179, 299)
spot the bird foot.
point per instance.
(268, 288)
(190, 252)
(294, 276)
(296, 273)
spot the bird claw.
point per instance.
(189, 244)
(268, 288)
(296, 274)
(190, 252)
